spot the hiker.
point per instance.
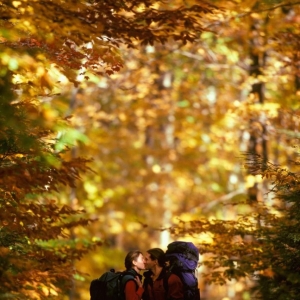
(125, 285)
(154, 285)
(134, 263)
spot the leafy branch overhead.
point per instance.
(88, 35)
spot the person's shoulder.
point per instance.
(128, 275)
(173, 277)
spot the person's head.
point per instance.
(134, 260)
(154, 257)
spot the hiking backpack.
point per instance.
(183, 260)
(110, 285)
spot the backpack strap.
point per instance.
(165, 282)
(127, 277)
(124, 278)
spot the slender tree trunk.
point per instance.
(165, 129)
(257, 127)
(72, 196)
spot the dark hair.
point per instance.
(130, 257)
(159, 254)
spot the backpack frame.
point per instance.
(183, 258)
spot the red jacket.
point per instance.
(156, 291)
(132, 292)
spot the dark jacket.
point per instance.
(156, 290)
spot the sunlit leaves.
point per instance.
(164, 124)
(30, 170)
(85, 37)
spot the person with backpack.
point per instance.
(125, 285)
(134, 264)
(158, 284)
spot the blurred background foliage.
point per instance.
(178, 112)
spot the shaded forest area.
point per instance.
(130, 124)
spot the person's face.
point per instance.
(139, 262)
(149, 263)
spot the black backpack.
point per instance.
(110, 285)
(183, 260)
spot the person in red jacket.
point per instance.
(134, 263)
(154, 278)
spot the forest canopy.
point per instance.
(128, 124)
